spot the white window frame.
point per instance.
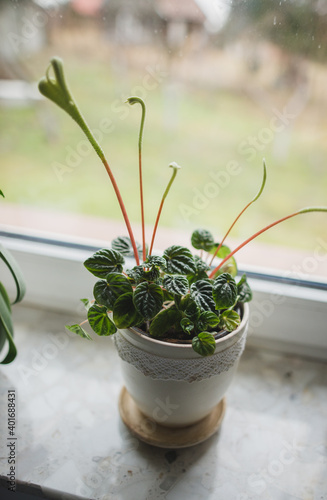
(285, 315)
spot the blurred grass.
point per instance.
(200, 129)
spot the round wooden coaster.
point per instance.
(168, 437)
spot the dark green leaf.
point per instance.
(1, 194)
(176, 283)
(164, 321)
(15, 272)
(107, 292)
(6, 326)
(103, 262)
(125, 314)
(204, 344)
(148, 299)
(79, 331)
(179, 260)
(209, 318)
(152, 274)
(86, 303)
(99, 321)
(244, 291)
(191, 310)
(124, 245)
(136, 274)
(229, 320)
(201, 293)
(224, 291)
(155, 260)
(202, 240)
(187, 325)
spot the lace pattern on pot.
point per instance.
(189, 370)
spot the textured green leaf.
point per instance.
(201, 269)
(204, 344)
(209, 318)
(244, 291)
(176, 284)
(86, 303)
(187, 325)
(164, 321)
(103, 262)
(179, 260)
(136, 275)
(153, 274)
(224, 291)
(229, 320)
(99, 321)
(79, 331)
(124, 313)
(148, 299)
(15, 272)
(201, 293)
(190, 309)
(107, 291)
(202, 240)
(124, 245)
(155, 260)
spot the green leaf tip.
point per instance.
(134, 100)
(1, 194)
(264, 178)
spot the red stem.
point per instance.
(248, 241)
(142, 204)
(156, 225)
(123, 209)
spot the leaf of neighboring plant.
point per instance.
(164, 321)
(210, 318)
(155, 260)
(148, 299)
(187, 325)
(243, 289)
(201, 293)
(1, 194)
(175, 283)
(125, 313)
(204, 344)
(86, 303)
(224, 291)
(124, 245)
(6, 326)
(79, 331)
(223, 251)
(99, 321)
(106, 292)
(103, 262)
(15, 272)
(229, 320)
(179, 260)
(202, 240)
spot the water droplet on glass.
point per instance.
(275, 21)
(319, 46)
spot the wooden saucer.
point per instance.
(168, 437)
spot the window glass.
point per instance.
(226, 84)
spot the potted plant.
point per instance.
(179, 319)
(6, 323)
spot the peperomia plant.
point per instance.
(176, 296)
(6, 323)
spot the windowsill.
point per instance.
(70, 438)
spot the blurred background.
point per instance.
(226, 83)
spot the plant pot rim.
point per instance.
(188, 346)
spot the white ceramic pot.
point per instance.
(172, 384)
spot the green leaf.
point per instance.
(201, 293)
(230, 266)
(243, 289)
(155, 260)
(164, 321)
(176, 284)
(1, 194)
(15, 272)
(6, 326)
(123, 245)
(202, 240)
(179, 260)
(99, 321)
(229, 320)
(209, 318)
(153, 274)
(191, 310)
(103, 262)
(79, 331)
(187, 325)
(201, 269)
(204, 344)
(148, 299)
(136, 275)
(125, 314)
(224, 291)
(107, 292)
(86, 303)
